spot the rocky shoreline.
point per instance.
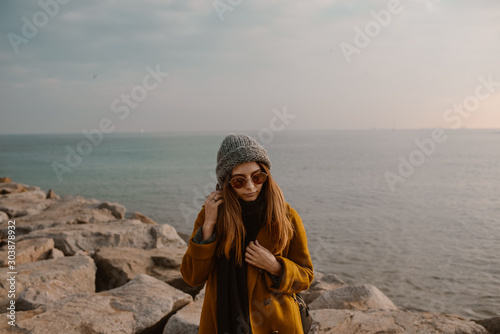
(85, 266)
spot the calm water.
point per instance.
(433, 244)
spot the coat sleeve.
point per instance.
(199, 259)
(297, 272)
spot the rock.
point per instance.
(24, 203)
(201, 295)
(359, 297)
(55, 253)
(68, 211)
(390, 322)
(45, 293)
(5, 179)
(491, 324)
(140, 304)
(80, 252)
(118, 265)
(185, 237)
(320, 285)
(116, 209)
(12, 188)
(77, 275)
(168, 257)
(5, 327)
(122, 233)
(143, 218)
(185, 321)
(4, 218)
(174, 278)
(29, 250)
(52, 195)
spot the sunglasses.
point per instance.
(239, 181)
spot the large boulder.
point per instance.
(117, 210)
(187, 320)
(321, 284)
(491, 324)
(35, 285)
(357, 297)
(29, 250)
(70, 210)
(4, 218)
(121, 233)
(24, 203)
(10, 187)
(141, 304)
(118, 265)
(393, 322)
(15, 318)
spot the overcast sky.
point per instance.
(229, 67)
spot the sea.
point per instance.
(415, 213)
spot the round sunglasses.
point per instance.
(239, 181)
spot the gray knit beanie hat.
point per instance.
(236, 149)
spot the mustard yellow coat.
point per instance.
(271, 310)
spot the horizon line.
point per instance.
(251, 130)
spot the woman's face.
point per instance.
(249, 191)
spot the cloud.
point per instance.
(264, 54)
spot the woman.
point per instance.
(249, 246)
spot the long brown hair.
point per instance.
(230, 229)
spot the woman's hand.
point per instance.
(212, 203)
(260, 257)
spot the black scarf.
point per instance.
(232, 294)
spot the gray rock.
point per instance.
(45, 293)
(116, 209)
(358, 297)
(122, 233)
(174, 278)
(201, 294)
(168, 257)
(492, 325)
(5, 327)
(24, 203)
(390, 322)
(77, 275)
(4, 218)
(131, 308)
(118, 265)
(29, 250)
(185, 321)
(71, 210)
(55, 253)
(320, 285)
